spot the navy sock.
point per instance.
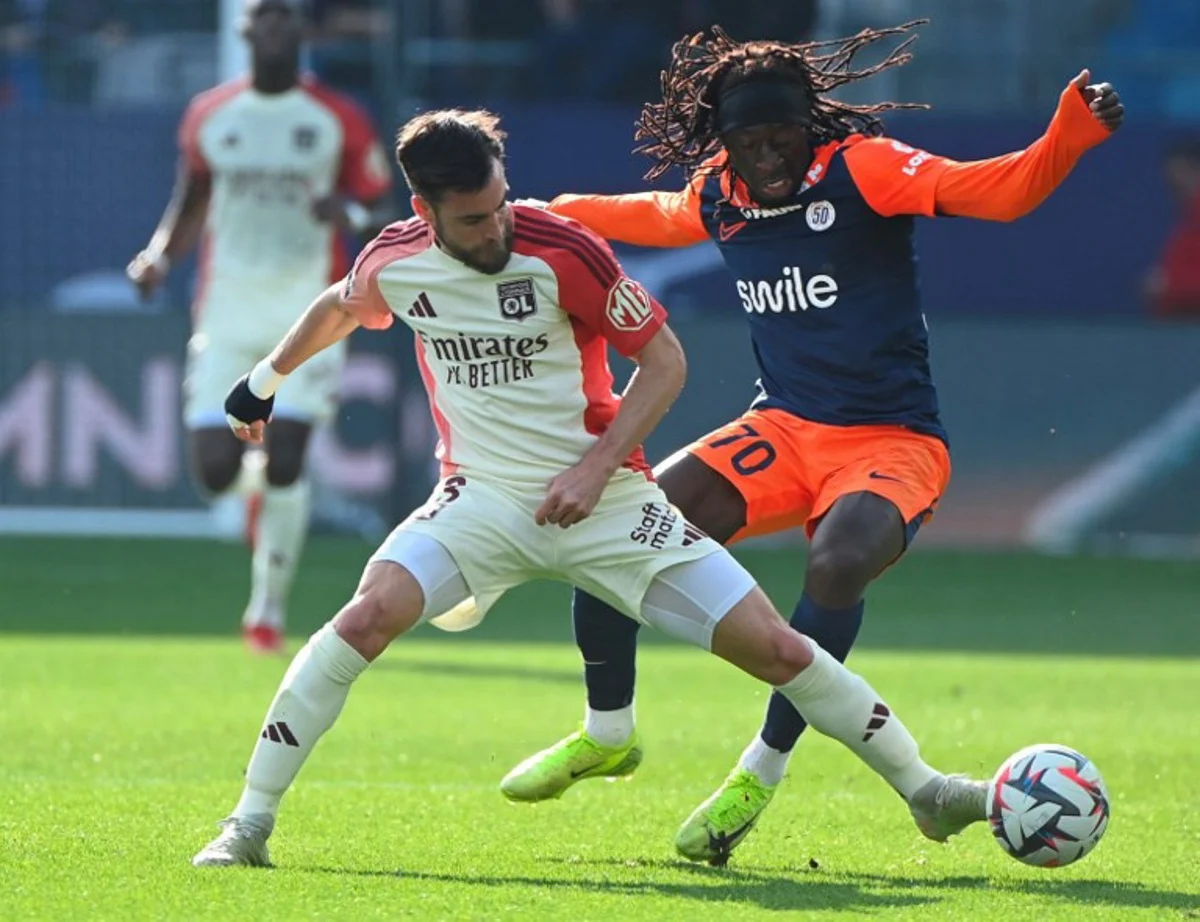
(833, 630)
(608, 642)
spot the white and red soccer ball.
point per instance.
(1048, 805)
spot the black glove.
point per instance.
(242, 407)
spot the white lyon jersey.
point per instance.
(270, 156)
(515, 364)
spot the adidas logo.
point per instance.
(879, 717)
(692, 534)
(280, 733)
(421, 307)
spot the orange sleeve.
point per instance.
(896, 179)
(649, 219)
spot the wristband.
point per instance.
(160, 261)
(264, 380)
(358, 215)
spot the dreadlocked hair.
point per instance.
(680, 130)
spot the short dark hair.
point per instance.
(449, 150)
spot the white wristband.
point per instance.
(264, 380)
(358, 215)
(160, 261)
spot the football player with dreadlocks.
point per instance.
(812, 209)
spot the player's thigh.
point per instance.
(287, 446)
(388, 602)
(213, 367)
(754, 637)
(215, 457)
(704, 495)
(309, 395)
(688, 600)
(884, 483)
(855, 541)
(632, 535)
(758, 484)
(489, 535)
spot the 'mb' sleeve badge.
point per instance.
(629, 307)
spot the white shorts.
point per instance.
(239, 321)
(308, 395)
(633, 539)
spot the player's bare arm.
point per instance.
(653, 387)
(177, 232)
(248, 406)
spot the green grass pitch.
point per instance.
(129, 710)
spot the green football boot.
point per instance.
(548, 774)
(719, 825)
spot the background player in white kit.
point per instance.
(271, 169)
(513, 311)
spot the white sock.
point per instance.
(282, 529)
(841, 704)
(609, 728)
(767, 763)
(308, 702)
(252, 475)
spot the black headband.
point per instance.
(763, 100)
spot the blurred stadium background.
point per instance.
(1073, 406)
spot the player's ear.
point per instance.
(422, 208)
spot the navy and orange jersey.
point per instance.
(828, 279)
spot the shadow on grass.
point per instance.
(796, 890)
(1090, 892)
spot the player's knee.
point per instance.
(380, 612)
(284, 468)
(216, 473)
(837, 574)
(786, 655)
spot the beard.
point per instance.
(490, 260)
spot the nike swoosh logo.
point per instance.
(875, 475)
(725, 231)
(723, 844)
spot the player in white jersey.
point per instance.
(272, 170)
(543, 474)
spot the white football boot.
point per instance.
(242, 843)
(946, 806)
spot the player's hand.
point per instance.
(147, 271)
(1102, 99)
(247, 413)
(332, 210)
(573, 495)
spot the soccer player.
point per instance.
(543, 474)
(812, 210)
(272, 170)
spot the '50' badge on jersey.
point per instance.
(517, 299)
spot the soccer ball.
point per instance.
(1048, 806)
